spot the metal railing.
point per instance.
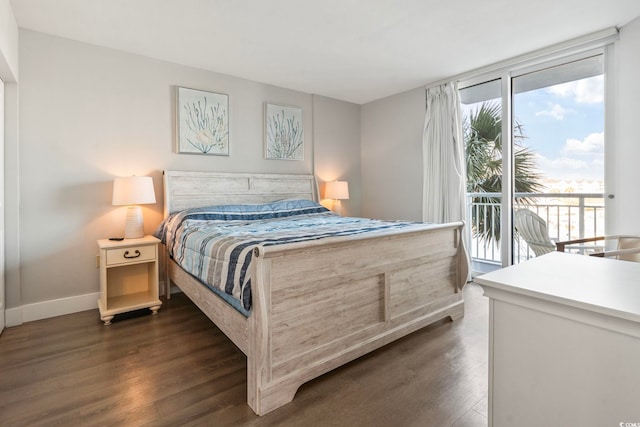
(568, 216)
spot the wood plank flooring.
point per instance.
(178, 369)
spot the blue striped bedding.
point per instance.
(215, 244)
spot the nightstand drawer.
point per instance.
(131, 254)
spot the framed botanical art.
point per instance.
(283, 133)
(202, 122)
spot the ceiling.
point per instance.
(353, 50)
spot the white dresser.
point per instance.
(564, 342)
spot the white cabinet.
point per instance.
(564, 340)
(128, 276)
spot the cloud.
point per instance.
(585, 91)
(556, 111)
(571, 169)
(561, 163)
(592, 144)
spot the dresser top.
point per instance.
(600, 285)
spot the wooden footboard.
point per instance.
(318, 306)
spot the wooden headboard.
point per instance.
(184, 190)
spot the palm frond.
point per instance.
(483, 143)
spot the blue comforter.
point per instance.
(215, 244)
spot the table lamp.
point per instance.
(337, 190)
(133, 191)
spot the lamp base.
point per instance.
(134, 228)
(337, 206)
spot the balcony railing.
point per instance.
(568, 216)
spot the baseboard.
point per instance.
(13, 317)
(46, 309)
(57, 307)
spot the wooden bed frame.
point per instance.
(318, 305)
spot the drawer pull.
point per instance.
(136, 254)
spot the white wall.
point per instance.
(336, 139)
(88, 114)
(391, 145)
(627, 172)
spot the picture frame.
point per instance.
(283, 132)
(202, 122)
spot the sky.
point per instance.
(564, 126)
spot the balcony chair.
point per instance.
(533, 230)
(627, 247)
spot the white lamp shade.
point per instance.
(133, 190)
(337, 190)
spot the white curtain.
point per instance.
(443, 151)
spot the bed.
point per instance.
(319, 304)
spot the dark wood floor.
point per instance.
(177, 368)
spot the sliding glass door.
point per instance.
(534, 142)
(559, 122)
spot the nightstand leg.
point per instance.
(106, 320)
(154, 309)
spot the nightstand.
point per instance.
(128, 276)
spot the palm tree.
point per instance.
(483, 139)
